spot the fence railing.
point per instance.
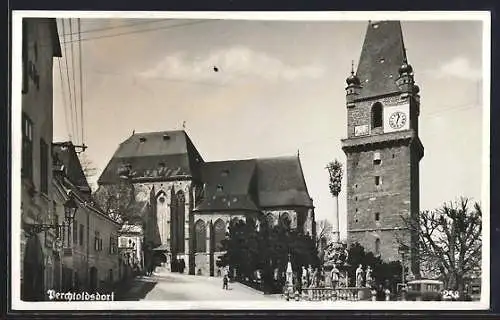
(331, 294)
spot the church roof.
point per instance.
(281, 182)
(228, 185)
(154, 155)
(382, 54)
(254, 183)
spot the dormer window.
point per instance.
(225, 173)
(142, 139)
(166, 137)
(376, 158)
(219, 188)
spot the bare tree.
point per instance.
(450, 241)
(324, 233)
(89, 169)
(335, 172)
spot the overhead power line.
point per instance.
(74, 81)
(117, 27)
(69, 87)
(81, 80)
(172, 26)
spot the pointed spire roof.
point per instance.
(382, 55)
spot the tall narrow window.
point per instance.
(81, 235)
(27, 150)
(200, 236)
(219, 234)
(377, 246)
(377, 115)
(377, 216)
(44, 166)
(378, 180)
(75, 233)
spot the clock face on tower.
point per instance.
(397, 120)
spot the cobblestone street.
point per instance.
(169, 286)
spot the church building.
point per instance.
(383, 147)
(186, 204)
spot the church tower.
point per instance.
(383, 147)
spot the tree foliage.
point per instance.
(267, 249)
(384, 273)
(450, 241)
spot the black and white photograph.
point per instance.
(250, 160)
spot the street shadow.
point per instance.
(137, 290)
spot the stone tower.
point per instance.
(383, 147)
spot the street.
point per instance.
(167, 286)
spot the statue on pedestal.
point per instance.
(304, 277)
(334, 276)
(369, 279)
(289, 273)
(359, 276)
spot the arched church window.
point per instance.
(377, 115)
(377, 246)
(178, 217)
(200, 236)
(219, 234)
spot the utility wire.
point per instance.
(74, 81)
(117, 27)
(81, 80)
(64, 99)
(69, 86)
(137, 31)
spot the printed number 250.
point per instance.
(449, 294)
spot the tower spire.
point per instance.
(382, 55)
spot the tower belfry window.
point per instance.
(377, 115)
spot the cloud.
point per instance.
(233, 64)
(459, 67)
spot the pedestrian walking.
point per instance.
(225, 282)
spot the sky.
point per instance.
(279, 90)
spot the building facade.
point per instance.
(39, 257)
(186, 204)
(90, 243)
(383, 147)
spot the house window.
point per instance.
(378, 180)
(377, 216)
(75, 233)
(44, 166)
(82, 230)
(27, 150)
(123, 242)
(377, 246)
(377, 115)
(219, 188)
(376, 158)
(97, 241)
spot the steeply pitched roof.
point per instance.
(382, 55)
(153, 155)
(56, 43)
(65, 153)
(228, 185)
(255, 183)
(281, 183)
